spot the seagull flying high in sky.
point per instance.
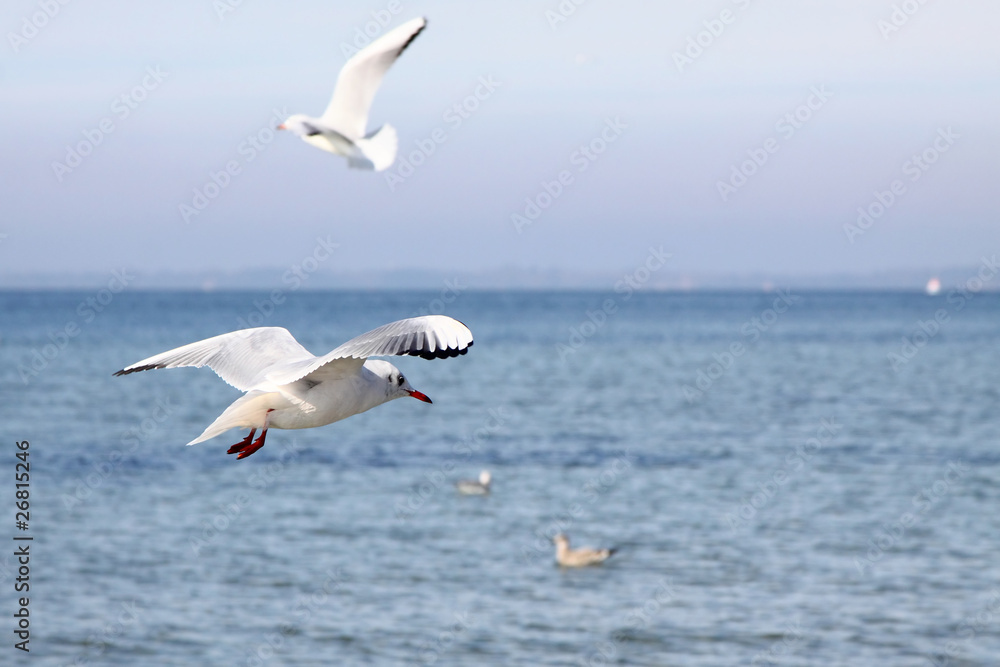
(341, 128)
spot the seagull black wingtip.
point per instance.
(447, 353)
(129, 371)
(412, 37)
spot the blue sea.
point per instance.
(789, 478)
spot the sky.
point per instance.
(735, 135)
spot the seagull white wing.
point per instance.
(360, 79)
(429, 337)
(241, 358)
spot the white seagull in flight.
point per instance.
(341, 128)
(287, 387)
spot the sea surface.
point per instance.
(790, 478)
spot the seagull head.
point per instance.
(397, 386)
(484, 478)
(561, 540)
(296, 124)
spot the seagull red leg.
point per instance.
(242, 443)
(250, 449)
(259, 442)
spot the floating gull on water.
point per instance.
(471, 487)
(288, 387)
(341, 128)
(582, 557)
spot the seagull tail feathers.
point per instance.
(248, 411)
(380, 147)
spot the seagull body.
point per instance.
(583, 557)
(471, 487)
(287, 387)
(341, 128)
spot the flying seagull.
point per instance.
(341, 128)
(287, 387)
(567, 557)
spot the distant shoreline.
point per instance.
(495, 280)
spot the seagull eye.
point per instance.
(402, 379)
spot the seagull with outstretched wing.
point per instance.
(288, 387)
(341, 128)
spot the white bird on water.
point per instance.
(288, 387)
(471, 487)
(582, 557)
(341, 128)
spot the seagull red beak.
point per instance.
(282, 127)
(420, 396)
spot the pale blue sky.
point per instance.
(656, 184)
